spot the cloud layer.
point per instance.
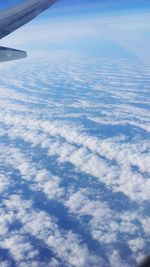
(74, 177)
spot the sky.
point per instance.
(97, 28)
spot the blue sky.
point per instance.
(104, 28)
(100, 4)
(65, 8)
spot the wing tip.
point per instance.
(10, 54)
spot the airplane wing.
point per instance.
(13, 18)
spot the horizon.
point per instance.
(113, 27)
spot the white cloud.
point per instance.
(66, 245)
(145, 225)
(4, 181)
(43, 129)
(19, 248)
(120, 176)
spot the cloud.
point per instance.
(66, 245)
(88, 157)
(74, 161)
(4, 181)
(19, 248)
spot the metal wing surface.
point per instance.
(14, 18)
